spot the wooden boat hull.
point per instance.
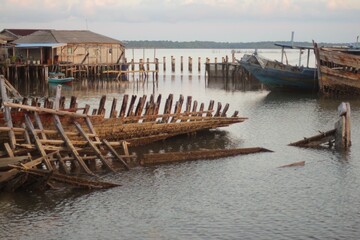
(135, 132)
(277, 76)
(338, 70)
(60, 80)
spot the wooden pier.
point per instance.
(143, 68)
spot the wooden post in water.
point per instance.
(181, 63)
(190, 64)
(164, 64)
(156, 67)
(172, 64)
(199, 64)
(343, 127)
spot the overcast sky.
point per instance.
(188, 20)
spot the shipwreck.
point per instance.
(44, 144)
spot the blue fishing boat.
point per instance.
(277, 75)
(58, 77)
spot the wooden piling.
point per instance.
(172, 64)
(164, 64)
(181, 63)
(190, 64)
(199, 64)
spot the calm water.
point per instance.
(243, 197)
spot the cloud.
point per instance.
(166, 15)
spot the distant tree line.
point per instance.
(207, 44)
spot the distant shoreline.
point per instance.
(215, 45)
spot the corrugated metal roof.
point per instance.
(21, 32)
(37, 45)
(66, 36)
(82, 36)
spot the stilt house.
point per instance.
(68, 46)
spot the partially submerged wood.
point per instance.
(295, 164)
(134, 125)
(75, 181)
(340, 136)
(317, 140)
(160, 158)
(52, 142)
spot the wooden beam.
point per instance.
(47, 110)
(115, 154)
(70, 146)
(38, 144)
(7, 113)
(93, 146)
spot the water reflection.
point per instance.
(215, 139)
(247, 196)
(235, 83)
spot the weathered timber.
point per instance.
(7, 113)
(30, 127)
(93, 146)
(317, 140)
(115, 154)
(160, 158)
(123, 106)
(72, 180)
(295, 164)
(340, 136)
(8, 175)
(134, 125)
(338, 70)
(69, 144)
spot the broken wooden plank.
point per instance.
(93, 146)
(6, 176)
(115, 154)
(123, 106)
(10, 88)
(113, 108)
(72, 180)
(30, 127)
(315, 141)
(159, 158)
(46, 110)
(7, 113)
(70, 146)
(295, 164)
(101, 109)
(340, 136)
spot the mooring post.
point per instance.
(181, 63)
(172, 64)
(343, 127)
(190, 64)
(199, 64)
(164, 64)
(156, 67)
(132, 65)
